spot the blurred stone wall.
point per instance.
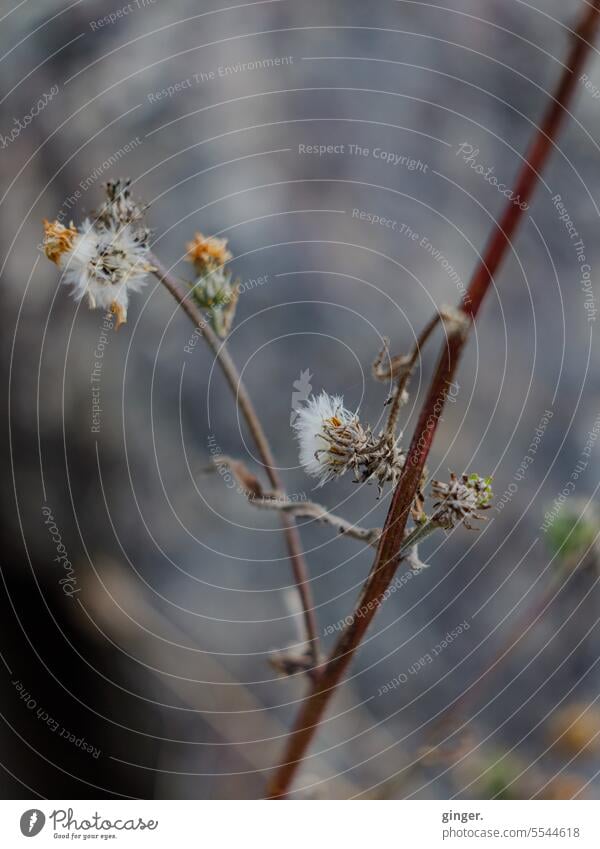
(159, 658)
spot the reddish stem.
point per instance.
(386, 559)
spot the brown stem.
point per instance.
(386, 559)
(292, 537)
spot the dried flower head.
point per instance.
(104, 265)
(215, 292)
(106, 260)
(460, 500)
(207, 253)
(333, 441)
(213, 289)
(121, 210)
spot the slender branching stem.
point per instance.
(400, 369)
(392, 539)
(244, 402)
(250, 486)
(310, 510)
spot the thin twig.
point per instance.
(400, 367)
(292, 537)
(250, 486)
(387, 557)
(310, 510)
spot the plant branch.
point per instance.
(244, 402)
(388, 553)
(401, 367)
(310, 510)
(250, 486)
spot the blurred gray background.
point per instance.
(160, 660)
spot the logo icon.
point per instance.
(32, 822)
(301, 394)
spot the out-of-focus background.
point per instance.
(146, 673)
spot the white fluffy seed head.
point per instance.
(105, 265)
(326, 430)
(333, 441)
(108, 259)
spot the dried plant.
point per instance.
(213, 288)
(108, 257)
